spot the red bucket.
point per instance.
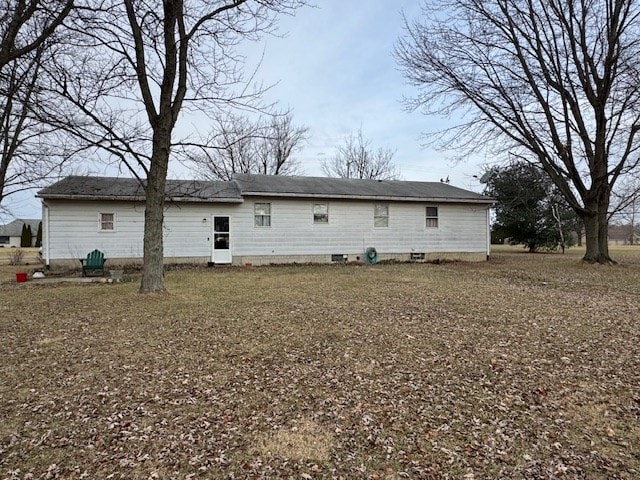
(21, 277)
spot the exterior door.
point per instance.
(221, 239)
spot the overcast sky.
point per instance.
(335, 69)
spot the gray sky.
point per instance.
(335, 69)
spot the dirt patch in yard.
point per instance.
(301, 441)
(527, 367)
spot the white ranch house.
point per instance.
(11, 233)
(263, 219)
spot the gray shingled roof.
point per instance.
(323, 187)
(14, 229)
(107, 188)
(110, 188)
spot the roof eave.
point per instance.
(126, 198)
(389, 198)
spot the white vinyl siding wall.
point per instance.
(14, 242)
(461, 228)
(74, 230)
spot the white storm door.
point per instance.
(221, 239)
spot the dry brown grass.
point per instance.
(525, 367)
(304, 440)
(29, 263)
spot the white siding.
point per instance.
(15, 242)
(74, 229)
(461, 228)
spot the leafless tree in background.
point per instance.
(137, 67)
(229, 150)
(242, 145)
(29, 149)
(626, 201)
(274, 151)
(19, 133)
(356, 158)
(555, 81)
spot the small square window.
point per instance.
(381, 215)
(321, 213)
(432, 217)
(107, 222)
(262, 214)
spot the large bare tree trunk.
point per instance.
(596, 228)
(153, 268)
(591, 238)
(603, 232)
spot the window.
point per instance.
(381, 215)
(262, 214)
(321, 213)
(432, 217)
(107, 222)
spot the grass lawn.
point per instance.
(30, 262)
(524, 367)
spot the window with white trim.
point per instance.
(262, 214)
(432, 217)
(380, 215)
(107, 222)
(320, 213)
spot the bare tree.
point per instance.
(626, 202)
(240, 145)
(27, 35)
(274, 150)
(141, 66)
(18, 82)
(556, 81)
(25, 25)
(229, 151)
(356, 158)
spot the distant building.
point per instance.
(624, 234)
(11, 233)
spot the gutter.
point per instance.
(46, 237)
(390, 198)
(488, 232)
(139, 199)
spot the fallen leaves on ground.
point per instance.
(523, 367)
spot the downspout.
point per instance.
(45, 235)
(488, 232)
